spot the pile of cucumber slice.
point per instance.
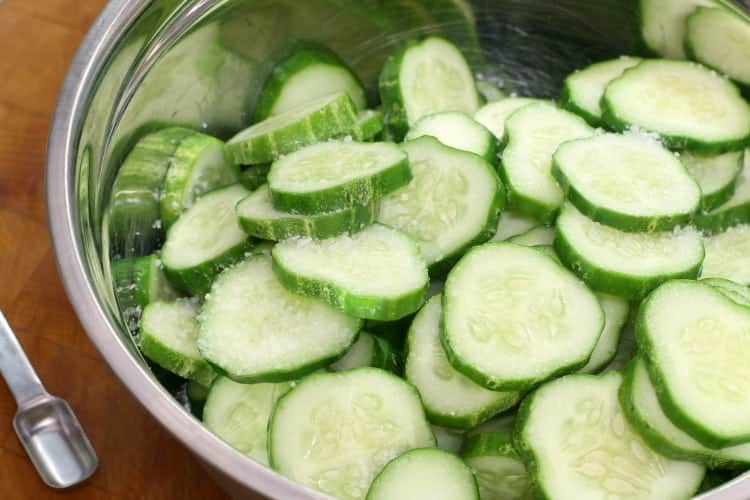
(460, 294)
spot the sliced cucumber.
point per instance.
(307, 73)
(494, 114)
(448, 439)
(513, 224)
(364, 352)
(452, 202)
(425, 77)
(138, 281)
(728, 255)
(735, 211)
(450, 399)
(583, 89)
(500, 473)
(239, 414)
(377, 273)
(196, 167)
(254, 176)
(686, 104)
(425, 473)
(134, 225)
(334, 175)
(197, 392)
(320, 120)
(641, 407)
(254, 330)
(629, 182)
(536, 236)
(490, 91)
(457, 130)
(577, 444)
(168, 338)
(513, 317)
(687, 330)
(204, 240)
(532, 134)
(616, 312)
(663, 24)
(738, 293)
(334, 432)
(625, 264)
(716, 175)
(259, 218)
(369, 125)
(719, 38)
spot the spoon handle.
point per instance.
(15, 367)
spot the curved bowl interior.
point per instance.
(200, 63)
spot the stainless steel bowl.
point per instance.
(146, 63)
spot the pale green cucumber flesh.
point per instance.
(616, 311)
(717, 176)
(457, 130)
(728, 255)
(500, 473)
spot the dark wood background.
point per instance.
(138, 459)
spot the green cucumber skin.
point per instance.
(333, 120)
(670, 406)
(568, 103)
(719, 221)
(197, 280)
(358, 306)
(131, 277)
(180, 171)
(323, 225)
(386, 356)
(614, 283)
(300, 56)
(134, 206)
(362, 191)
(369, 126)
(623, 222)
(618, 124)
(496, 444)
(194, 369)
(723, 195)
(254, 176)
(394, 114)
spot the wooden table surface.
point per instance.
(138, 459)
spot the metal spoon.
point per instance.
(46, 425)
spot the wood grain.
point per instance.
(138, 459)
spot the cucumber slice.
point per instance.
(641, 407)
(494, 114)
(537, 236)
(320, 120)
(490, 91)
(577, 444)
(134, 226)
(685, 330)
(425, 473)
(168, 338)
(308, 73)
(686, 104)
(735, 211)
(532, 134)
(625, 264)
(629, 182)
(448, 439)
(197, 392)
(513, 224)
(663, 24)
(334, 432)
(736, 292)
(259, 218)
(496, 464)
(582, 91)
(197, 166)
(334, 175)
(204, 240)
(362, 353)
(457, 130)
(449, 398)
(728, 255)
(254, 176)
(377, 273)
(504, 303)
(626, 347)
(616, 312)
(718, 38)
(369, 125)
(254, 330)
(452, 202)
(138, 281)
(425, 77)
(239, 414)
(716, 175)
